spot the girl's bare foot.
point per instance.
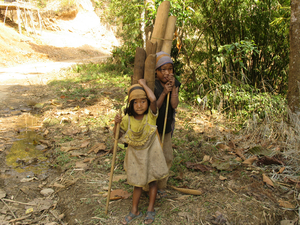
(130, 217)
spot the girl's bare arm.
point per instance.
(118, 120)
(150, 95)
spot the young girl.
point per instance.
(144, 161)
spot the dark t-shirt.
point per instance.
(162, 111)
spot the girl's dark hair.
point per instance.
(130, 111)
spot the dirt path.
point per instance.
(25, 69)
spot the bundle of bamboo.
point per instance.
(161, 40)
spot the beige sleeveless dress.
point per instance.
(144, 161)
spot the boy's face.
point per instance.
(164, 72)
(140, 106)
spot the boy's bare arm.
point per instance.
(161, 99)
(174, 97)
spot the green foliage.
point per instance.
(63, 4)
(62, 158)
(235, 52)
(126, 15)
(124, 55)
(231, 23)
(41, 3)
(241, 102)
(90, 79)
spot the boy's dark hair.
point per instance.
(130, 111)
(159, 68)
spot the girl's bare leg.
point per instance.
(152, 195)
(137, 191)
(152, 198)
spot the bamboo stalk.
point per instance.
(139, 65)
(112, 165)
(169, 34)
(149, 74)
(160, 24)
(150, 47)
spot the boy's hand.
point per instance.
(167, 88)
(118, 118)
(171, 80)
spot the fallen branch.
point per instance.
(8, 200)
(188, 191)
(8, 208)
(18, 219)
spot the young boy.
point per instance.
(165, 84)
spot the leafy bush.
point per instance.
(238, 102)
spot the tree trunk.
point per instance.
(294, 74)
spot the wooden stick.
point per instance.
(9, 208)
(8, 200)
(112, 165)
(165, 123)
(18, 219)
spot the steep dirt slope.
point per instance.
(74, 35)
(15, 48)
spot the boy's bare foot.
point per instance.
(130, 217)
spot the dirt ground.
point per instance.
(40, 186)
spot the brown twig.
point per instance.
(8, 208)
(18, 219)
(8, 200)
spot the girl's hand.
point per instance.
(118, 118)
(142, 82)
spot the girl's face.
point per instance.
(164, 72)
(140, 106)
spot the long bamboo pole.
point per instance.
(166, 47)
(165, 123)
(112, 165)
(160, 24)
(169, 35)
(149, 74)
(139, 65)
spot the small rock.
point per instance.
(47, 191)
(40, 147)
(31, 103)
(25, 109)
(17, 112)
(288, 222)
(39, 105)
(2, 193)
